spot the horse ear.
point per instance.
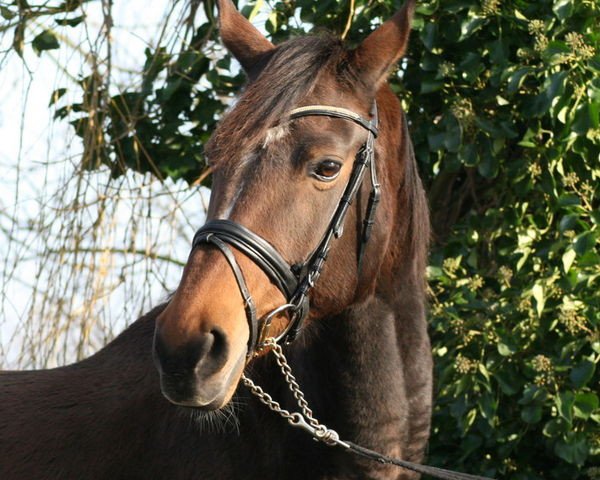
(385, 46)
(242, 38)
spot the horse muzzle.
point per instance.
(201, 372)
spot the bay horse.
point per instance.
(362, 355)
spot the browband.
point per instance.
(328, 111)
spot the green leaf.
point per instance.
(428, 35)
(520, 16)
(436, 140)
(584, 242)
(489, 165)
(70, 22)
(45, 41)
(533, 395)
(471, 66)
(582, 373)
(555, 84)
(509, 382)
(585, 118)
(564, 403)
(567, 259)
(556, 427)
(468, 155)
(573, 449)
(426, 9)
(585, 404)
(505, 349)
(516, 79)
(255, 9)
(271, 24)
(540, 298)
(531, 414)
(7, 13)
(568, 200)
(429, 86)
(568, 222)
(470, 26)
(56, 95)
(563, 9)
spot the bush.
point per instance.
(505, 101)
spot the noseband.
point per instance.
(296, 281)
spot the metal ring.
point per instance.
(266, 322)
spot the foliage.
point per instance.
(504, 104)
(507, 129)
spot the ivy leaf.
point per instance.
(532, 414)
(585, 404)
(70, 22)
(56, 95)
(517, 78)
(563, 9)
(585, 118)
(7, 13)
(584, 243)
(568, 258)
(540, 298)
(573, 449)
(564, 404)
(45, 41)
(555, 427)
(582, 373)
(470, 26)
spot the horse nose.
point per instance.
(203, 355)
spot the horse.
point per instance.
(171, 396)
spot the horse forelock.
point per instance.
(289, 76)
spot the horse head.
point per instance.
(279, 173)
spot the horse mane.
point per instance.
(290, 74)
(418, 226)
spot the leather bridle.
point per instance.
(296, 281)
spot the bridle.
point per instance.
(296, 281)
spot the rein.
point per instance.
(305, 420)
(296, 281)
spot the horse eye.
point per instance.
(327, 170)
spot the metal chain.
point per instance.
(320, 432)
(266, 399)
(304, 420)
(292, 383)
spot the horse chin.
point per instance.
(204, 394)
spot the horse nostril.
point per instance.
(219, 348)
(205, 354)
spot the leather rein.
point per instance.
(296, 281)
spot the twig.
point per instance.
(349, 20)
(122, 251)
